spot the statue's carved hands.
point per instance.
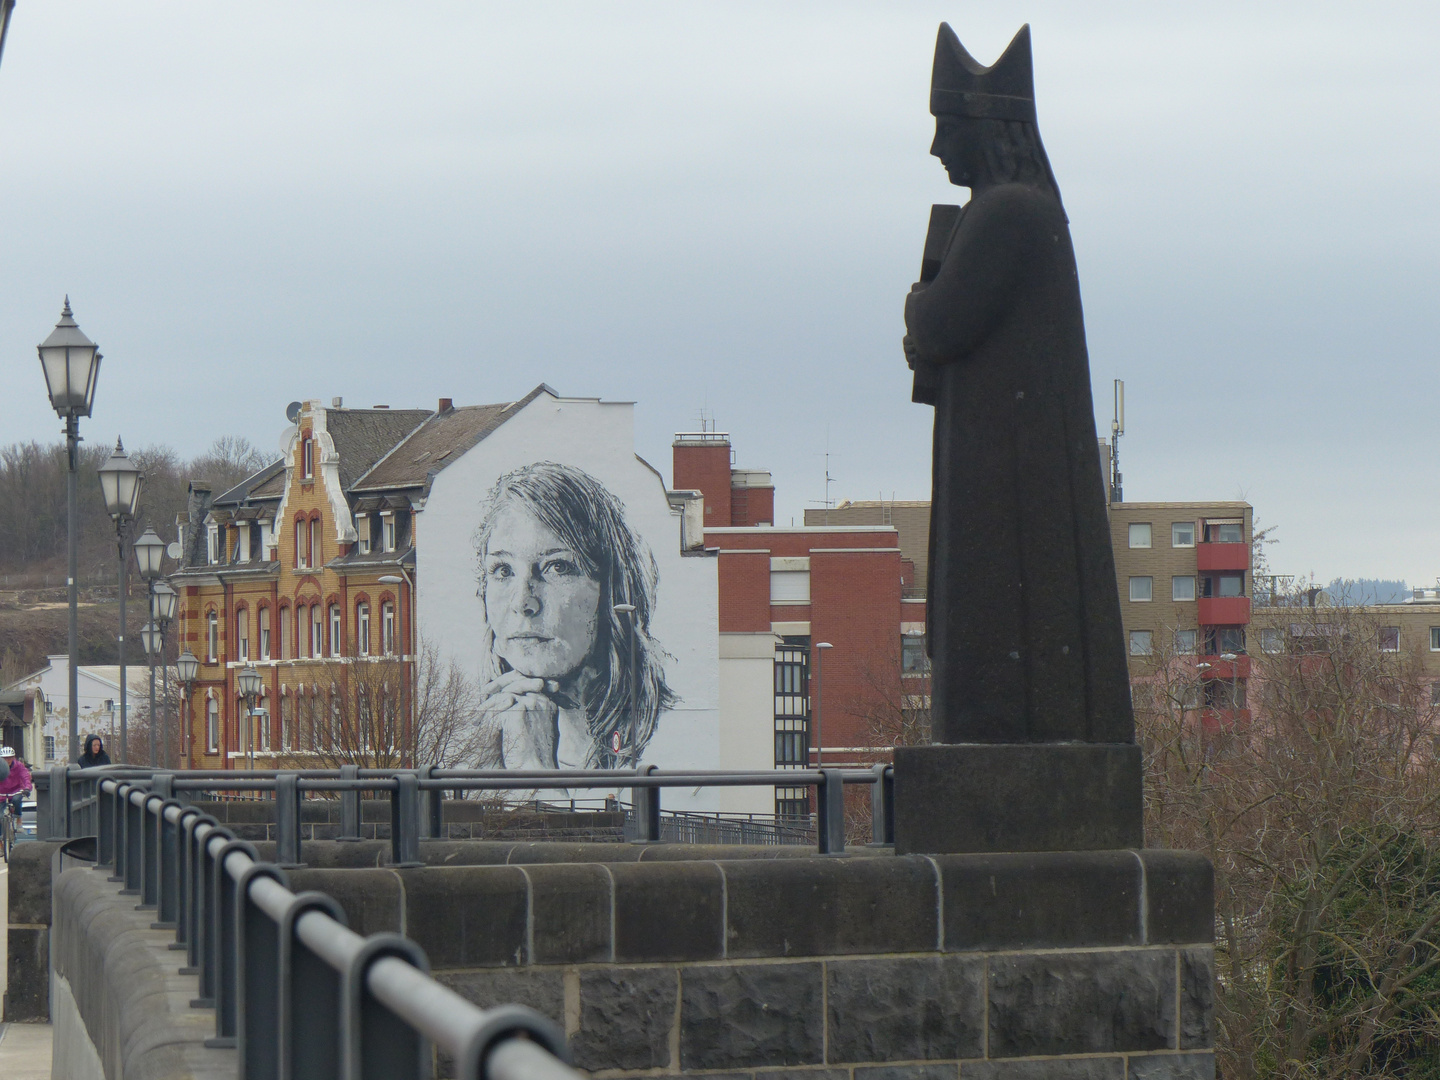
(520, 706)
(912, 357)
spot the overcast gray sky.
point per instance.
(722, 206)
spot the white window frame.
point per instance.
(362, 530)
(1187, 650)
(387, 628)
(242, 635)
(262, 620)
(1175, 527)
(242, 551)
(1175, 588)
(1149, 589)
(300, 533)
(1141, 534)
(362, 629)
(307, 457)
(212, 725)
(212, 638)
(1435, 639)
(387, 530)
(212, 544)
(317, 632)
(286, 634)
(336, 635)
(1142, 642)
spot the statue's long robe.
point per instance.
(1024, 615)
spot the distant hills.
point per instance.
(1351, 591)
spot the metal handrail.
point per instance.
(274, 963)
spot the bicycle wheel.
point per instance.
(7, 834)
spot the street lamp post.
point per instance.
(149, 550)
(248, 681)
(120, 482)
(820, 648)
(628, 610)
(187, 666)
(151, 639)
(71, 364)
(162, 609)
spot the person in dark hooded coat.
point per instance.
(94, 753)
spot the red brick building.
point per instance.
(786, 590)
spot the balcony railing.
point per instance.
(1222, 610)
(1210, 556)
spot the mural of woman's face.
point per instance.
(540, 604)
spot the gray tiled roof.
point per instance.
(441, 439)
(363, 436)
(273, 475)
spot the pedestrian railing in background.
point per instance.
(295, 991)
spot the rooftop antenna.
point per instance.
(828, 504)
(1117, 428)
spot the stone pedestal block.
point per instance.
(984, 797)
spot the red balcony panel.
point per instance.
(1222, 556)
(1223, 610)
(1239, 668)
(1214, 721)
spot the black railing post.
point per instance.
(207, 953)
(169, 899)
(105, 841)
(882, 806)
(184, 864)
(405, 820)
(59, 802)
(134, 843)
(349, 805)
(288, 802)
(227, 958)
(309, 998)
(257, 943)
(150, 853)
(377, 1044)
(432, 826)
(647, 810)
(197, 952)
(830, 813)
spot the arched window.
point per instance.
(337, 637)
(242, 636)
(264, 630)
(317, 632)
(301, 532)
(362, 628)
(287, 722)
(212, 725)
(286, 637)
(212, 638)
(387, 627)
(307, 457)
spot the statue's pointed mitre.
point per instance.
(961, 86)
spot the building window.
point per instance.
(336, 638)
(1272, 640)
(242, 544)
(387, 628)
(1182, 534)
(50, 746)
(1224, 639)
(1225, 693)
(793, 804)
(212, 725)
(1185, 642)
(1224, 585)
(913, 659)
(1183, 587)
(264, 619)
(790, 586)
(242, 636)
(362, 628)
(317, 632)
(287, 723)
(1140, 534)
(792, 720)
(1141, 589)
(1140, 642)
(362, 530)
(286, 637)
(1224, 532)
(212, 638)
(790, 749)
(1389, 639)
(1435, 639)
(313, 554)
(1434, 700)
(387, 531)
(212, 544)
(300, 532)
(307, 457)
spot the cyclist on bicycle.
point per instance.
(15, 786)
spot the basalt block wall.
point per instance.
(668, 959)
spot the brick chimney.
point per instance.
(702, 463)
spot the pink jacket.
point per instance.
(17, 781)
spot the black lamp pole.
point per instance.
(71, 364)
(120, 483)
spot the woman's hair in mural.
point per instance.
(591, 521)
